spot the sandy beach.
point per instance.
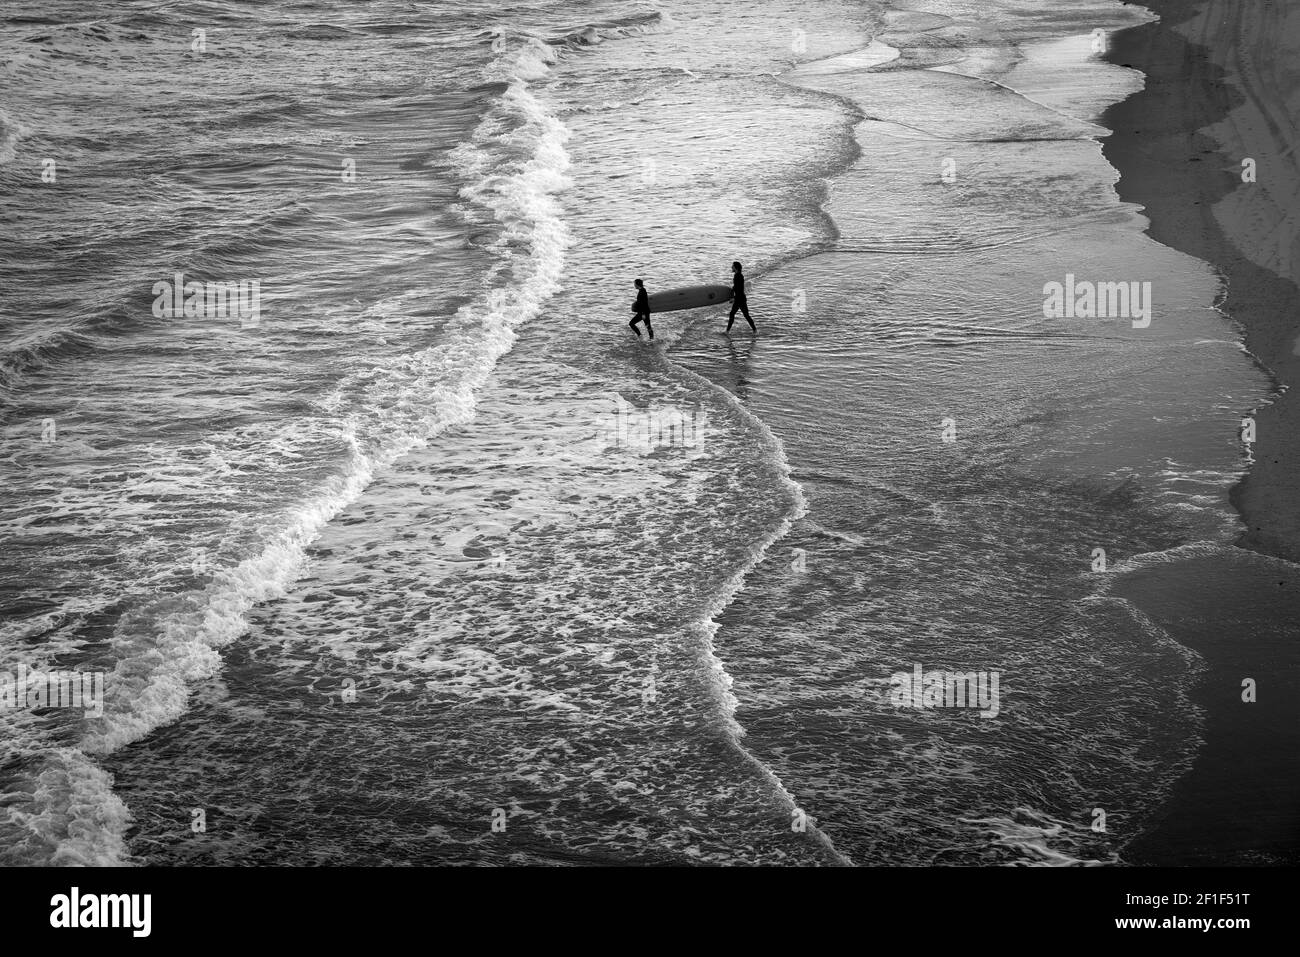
(1222, 88)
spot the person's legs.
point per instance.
(744, 307)
(635, 320)
(732, 315)
(648, 327)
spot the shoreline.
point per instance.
(766, 726)
(1179, 146)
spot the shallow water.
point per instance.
(383, 570)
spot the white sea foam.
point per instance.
(1038, 839)
(706, 627)
(11, 133)
(66, 815)
(515, 166)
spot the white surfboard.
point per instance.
(689, 297)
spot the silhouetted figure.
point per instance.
(642, 310)
(738, 298)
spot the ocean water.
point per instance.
(395, 574)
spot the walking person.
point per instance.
(738, 297)
(641, 310)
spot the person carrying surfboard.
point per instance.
(641, 308)
(738, 297)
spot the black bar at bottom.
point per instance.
(670, 906)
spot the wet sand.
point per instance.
(1223, 87)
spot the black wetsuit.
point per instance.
(642, 309)
(738, 300)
